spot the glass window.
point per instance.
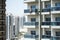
(33, 7)
(33, 32)
(57, 19)
(47, 19)
(48, 5)
(57, 4)
(33, 19)
(48, 32)
(57, 33)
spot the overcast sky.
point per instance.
(16, 7)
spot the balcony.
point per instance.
(46, 36)
(55, 25)
(55, 38)
(27, 1)
(56, 8)
(46, 10)
(31, 36)
(30, 24)
(45, 24)
(26, 11)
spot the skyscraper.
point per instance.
(2, 20)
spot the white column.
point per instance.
(51, 18)
(39, 27)
(43, 32)
(52, 3)
(43, 4)
(43, 18)
(52, 32)
(26, 18)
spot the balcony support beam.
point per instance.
(26, 18)
(43, 18)
(43, 4)
(43, 31)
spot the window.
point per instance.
(57, 19)
(48, 19)
(33, 19)
(48, 5)
(48, 33)
(57, 33)
(33, 32)
(57, 4)
(33, 7)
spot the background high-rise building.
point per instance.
(9, 26)
(2, 20)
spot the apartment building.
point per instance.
(50, 17)
(2, 20)
(12, 28)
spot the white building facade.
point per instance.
(9, 24)
(12, 29)
(50, 16)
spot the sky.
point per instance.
(15, 7)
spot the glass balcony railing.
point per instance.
(46, 23)
(55, 23)
(28, 11)
(55, 8)
(43, 23)
(51, 23)
(31, 23)
(31, 36)
(55, 38)
(46, 36)
(46, 10)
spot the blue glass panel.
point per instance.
(57, 19)
(48, 19)
(57, 4)
(33, 19)
(48, 6)
(33, 7)
(33, 32)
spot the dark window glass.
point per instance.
(57, 4)
(33, 7)
(33, 19)
(33, 32)
(57, 33)
(48, 32)
(57, 19)
(48, 19)
(48, 5)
